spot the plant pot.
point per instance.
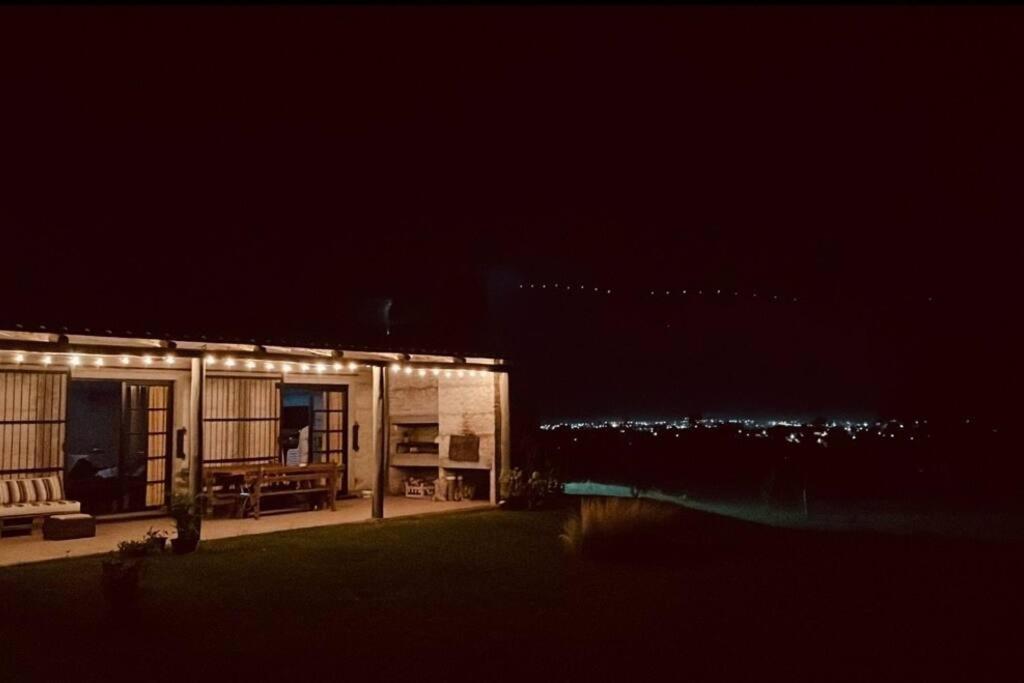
(516, 503)
(184, 544)
(120, 581)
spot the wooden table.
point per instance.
(233, 484)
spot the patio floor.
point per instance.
(22, 549)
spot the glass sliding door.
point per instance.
(147, 420)
(119, 445)
(327, 434)
(314, 427)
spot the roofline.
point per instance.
(52, 335)
(45, 342)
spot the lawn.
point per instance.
(491, 595)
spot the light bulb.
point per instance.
(286, 367)
(169, 359)
(268, 365)
(250, 364)
(436, 372)
(47, 360)
(125, 360)
(352, 365)
(304, 367)
(337, 366)
(395, 367)
(408, 370)
(98, 362)
(229, 362)
(211, 359)
(75, 360)
(320, 367)
(19, 358)
(147, 360)
(422, 372)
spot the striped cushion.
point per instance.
(58, 487)
(38, 490)
(13, 491)
(27, 489)
(48, 488)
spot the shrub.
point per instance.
(619, 528)
(185, 512)
(130, 549)
(520, 492)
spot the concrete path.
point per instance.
(23, 549)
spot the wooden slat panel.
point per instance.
(31, 421)
(242, 418)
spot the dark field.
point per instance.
(493, 596)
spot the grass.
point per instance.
(492, 595)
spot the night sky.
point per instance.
(265, 171)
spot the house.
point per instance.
(127, 421)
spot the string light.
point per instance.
(667, 292)
(76, 360)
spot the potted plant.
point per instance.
(513, 489)
(134, 549)
(157, 539)
(120, 579)
(188, 522)
(541, 489)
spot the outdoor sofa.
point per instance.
(22, 500)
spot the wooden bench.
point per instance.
(224, 485)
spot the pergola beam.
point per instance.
(105, 350)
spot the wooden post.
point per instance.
(503, 436)
(196, 467)
(380, 479)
